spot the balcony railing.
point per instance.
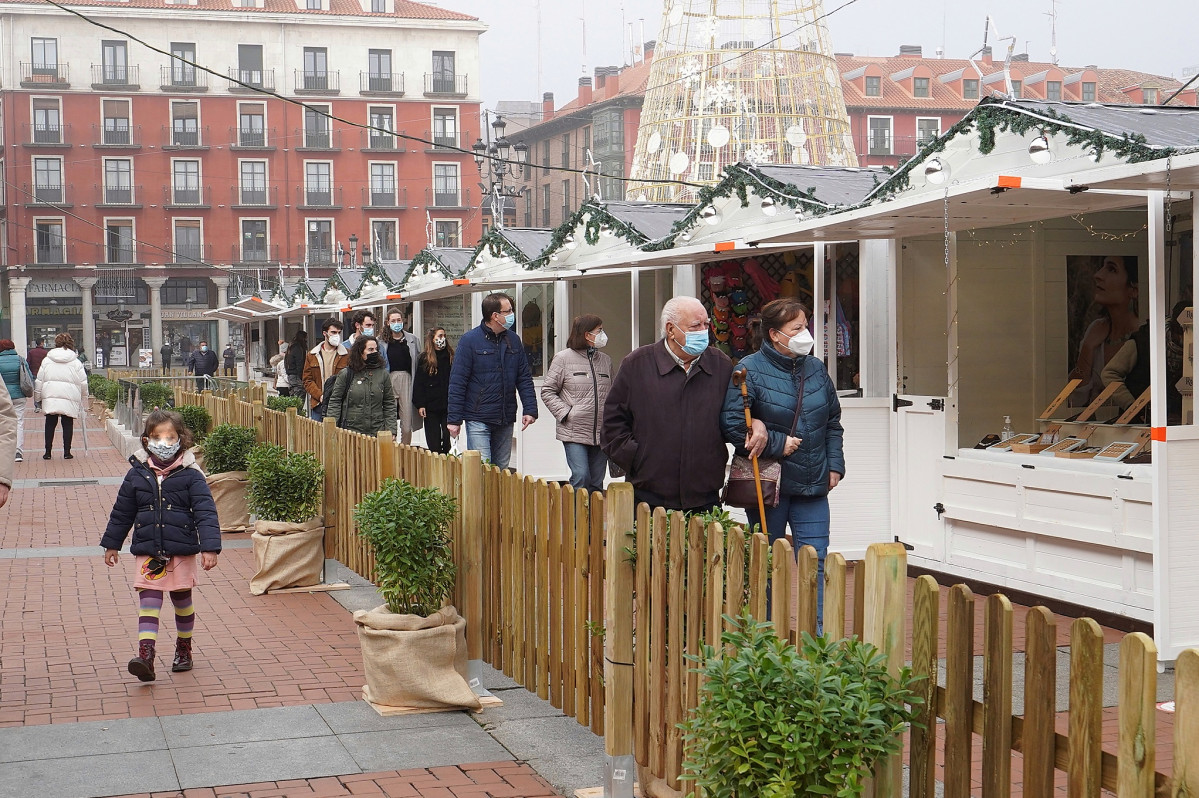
(124, 76)
(118, 254)
(879, 143)
(253, 79)
(445, 85)
(264, 254)
(44, 194)
(447, 199)
(105, 136)
(46, 135)
(118, 195)
(318, 139)
(443, 140)
(317, 256)
(318, 82)
(182, 78)
(254, 196)
(384, 195)
(44, 75)
(252, 138)
(383, 142)
(49, 255)
(186, 196)
(190, 253)
(184, 138)
(381, 83)
(319, 196)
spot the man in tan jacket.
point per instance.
(8, 445)
(322, 363)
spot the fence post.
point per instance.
(470, 576)
(386, 462)
(260, 421)
(329, 459)
(1138, 717)
(883, 626)
(1186, 724)
(618, 644)
(292, 423)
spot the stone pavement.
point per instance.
(271, 708)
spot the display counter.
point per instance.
(1072, 530)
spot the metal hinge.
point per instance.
(940, 508)
(897, 403)
(937, 404)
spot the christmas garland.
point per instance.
(375, 272)
(497, 245)
(594, 217)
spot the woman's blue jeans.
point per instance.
(587, 466)
(809, 520)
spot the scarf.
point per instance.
(163, 469)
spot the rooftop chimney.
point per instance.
(547, 106)
(986, 54)
(1020, 57)
(648, 48)
(911, 51)
(584, 92)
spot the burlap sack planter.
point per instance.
(415, 662)
(288, 555)
(229, 493)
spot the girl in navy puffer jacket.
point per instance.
(166, 501)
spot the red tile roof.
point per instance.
(947, 97)
(633, 82)
(404, 9)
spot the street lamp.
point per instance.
(494, 159)
(353, 249)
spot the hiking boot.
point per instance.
(183, 655)
(142, 666)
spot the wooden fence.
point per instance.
(583, 599)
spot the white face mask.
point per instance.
(439, 343)
(601, 340)
(162, 450)
(334, 339)
(801, 343)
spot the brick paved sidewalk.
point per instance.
(482, 780)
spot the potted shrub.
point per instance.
(281, 403)
(414, 646)
(197, 419)
(155, 394)
(289, 532)
(776, 721)
(226, 455)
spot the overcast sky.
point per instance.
(1157, 38)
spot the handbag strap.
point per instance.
(798, 403)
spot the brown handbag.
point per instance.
(740, 490)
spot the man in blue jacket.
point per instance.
(490, 368)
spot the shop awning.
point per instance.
(306, 310)
(993, 202)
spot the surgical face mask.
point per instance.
(439, 343)
(696, 342)
(282, 348)
(373, 359)
(369, 332)
(162, 450)
(801, 343)
(334, 339)
(204, 349)
(601, 340)
(397, 326)
(509, 320)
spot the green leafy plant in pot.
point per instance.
(414, 646)
(289, 532)
(777, 722)
(282, 403)
(226, 453)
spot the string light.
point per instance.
(1106, 236)
(1016, 238)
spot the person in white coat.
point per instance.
(61, 387)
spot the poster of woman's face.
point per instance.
(1095, 286)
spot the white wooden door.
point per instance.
(920, 450)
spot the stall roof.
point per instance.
(652, 220)
(834, 186)
(1180, 173)
(530, 241)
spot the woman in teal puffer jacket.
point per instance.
(812, 453)
(361, 399)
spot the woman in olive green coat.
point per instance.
(361, 399)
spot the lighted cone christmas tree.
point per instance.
(734, 80)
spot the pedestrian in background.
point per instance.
(361, 399)
(61, 387)
(492, 367)
(363, 323)
(575, 388)
(293, 363)
(399, 349)
(230, 357)
(277, 363)
(165, 500)
(11, 366)
(8, 445)
(431, 388)
(164, 355)
(36, 355)
(202, 363)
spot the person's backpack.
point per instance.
(327, 391)
(26, 378)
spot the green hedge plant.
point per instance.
(281, 403)
(284, 487)
(777, 722)
(227, 448)
(197, 419)
(156, 394)
(408, 529)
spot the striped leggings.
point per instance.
(150, 606)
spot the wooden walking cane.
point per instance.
(739, 380)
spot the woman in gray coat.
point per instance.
(361, 399)
(574, 391)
